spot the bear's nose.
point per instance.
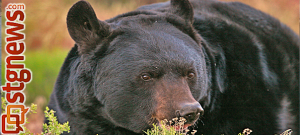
(190, 111)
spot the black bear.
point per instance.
(222, 66)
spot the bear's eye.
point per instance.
(191, 75)
(146, 76)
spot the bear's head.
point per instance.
(140, 67)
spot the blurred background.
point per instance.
(48, 42)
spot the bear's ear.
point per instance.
(84, 27)
(184, 9)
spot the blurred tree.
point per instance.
(46, 27)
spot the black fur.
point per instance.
(246, 64)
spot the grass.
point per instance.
(45, 66)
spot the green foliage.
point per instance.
(54, 127)
(166, 129)
(3, 103)
(33, 108)
(163, 130)
(27, 132)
